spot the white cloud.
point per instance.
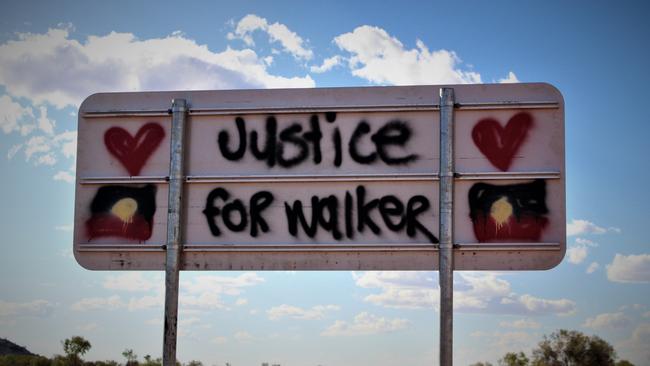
(44, 123)
(579, 227)
(243, 336)
(382, 59)
(534, 305)
(593, 267)
(511, 78)
(66, 228)
(636, 347)
(410, 289)
(88, 327)
(577, 254)
(629, 268)
(37, 308)
(54, 68)
(13, 151)
(327, 65)
(64, 176)
(219, 340)
(241, 302)
(46, 159)
(222, 284)
(521, 324)
(205, 291)
(277, 32)
(482, 292)
(586, 242)
(68, 143)
(607, 321)
(294, 312)
(365, 324)
(99, 303)
(36, 145)
(500, 342)
(12, 116)
(43, 149)
(132, 282)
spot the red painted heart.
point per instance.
(500, 144)
(133, 152)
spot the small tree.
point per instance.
(573, 348)
(75, 346)
(131, 357)
(514, 359)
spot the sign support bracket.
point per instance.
(446, 252)
(174, 232)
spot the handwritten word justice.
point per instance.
(396, 216)
(308, 142)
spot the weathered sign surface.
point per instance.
(342, 178)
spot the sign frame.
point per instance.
(388, 256)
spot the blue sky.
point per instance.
(54, 54)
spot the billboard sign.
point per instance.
(339, 178)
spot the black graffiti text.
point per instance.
(234, 214)
(320, 214)
(306, 143)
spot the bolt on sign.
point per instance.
(340, 178)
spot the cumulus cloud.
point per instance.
(99, 303)
(482, 292)
(53, 68)
(381, 58)
(206, 291)
(197, 294)
(295, 312)
(521, 324)
(14, 117)
(580, 227)
(500, 342)
(365, 324)
(44, 149)
(636, 347)
(36, 308)
(533, 305)
(13, 151)
(64, 176)
(577, 254)
(132, 282)
(629, 268)
(593, 267)
(511, 78)
(608, 321)
(327, 65)
(277, 33)
(243, 336)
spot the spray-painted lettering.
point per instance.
(306, 143)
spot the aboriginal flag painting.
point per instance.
(120, 211)
(508, 212)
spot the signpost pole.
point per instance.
(446, 253)
(173, 244)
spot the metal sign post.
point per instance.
(380, 178)
(173, 246)
(446, 256)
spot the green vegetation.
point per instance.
(565, 348)
(561, 348)
(74, 348)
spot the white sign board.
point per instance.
(343, 178)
